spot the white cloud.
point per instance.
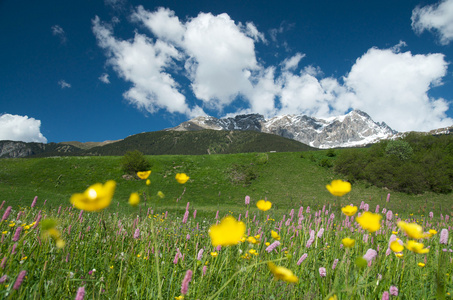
(63, 84)
(20, 128)
(393, 87)
(221, 58)
(218, 58)
(144, 63)
(104, 78)
(291, 63)
(58, 31)
(437, 17)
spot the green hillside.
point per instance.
(160, 143)
(286, 179)
(200, 142)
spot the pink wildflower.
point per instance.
(370, 254)
(137, 233)
(393, 291)
(185, 282)
(17, 234)
(80, 293)
(334, 265)
(385, 296)
(34, 202)
(322, 272)
(272, 246)
(443, 236)
(7, 212)
(302, 258)
(247, 200)
(19, 280)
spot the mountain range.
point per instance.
(351, 130)
(242, 133)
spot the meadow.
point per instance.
(162, 248)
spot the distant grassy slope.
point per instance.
(200, 142)
(286, 179)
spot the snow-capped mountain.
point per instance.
(353, 129)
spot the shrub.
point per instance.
(134, 161)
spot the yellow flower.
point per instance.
(267, 243)
(413, 230)
(181, 178)
(431, 232)
(111, 267)
(4, 232)
(26, 227)
(282, 273)
(144, 174)
(275, 235)
(264, 205)
(148, 182)
(60, 243)
(160, 195)
(349, 210)
(12, 224)
(395, 246)
(24, 258)
(348, 243)
(134, 199)
(399, 255)
(252, 240)
(416, 247)
(179, 297)
(339, 187)
(369, 221)
(334, 297)
(227, 232)
(421, 265)
(214, 254)
(96, 197)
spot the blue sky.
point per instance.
(103, 70)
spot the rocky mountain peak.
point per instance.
(356, 128)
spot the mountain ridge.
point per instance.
(356, 128)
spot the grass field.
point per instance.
(162, 248)
(287, 179)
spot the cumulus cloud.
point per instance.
(20, 128)
(436, 17)
(63, 84)
(104, 78)
(393, 87)
(216, 56)
(59, 32)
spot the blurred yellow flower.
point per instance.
(148, 182)
(334, 297)
(421, 265)
(252, 240)
(369, 221)
(275, 235)
(413, 230)
(4, 232)
(282, 273)
(96, 197)
(416, 247)
(160, 195)
(348, 242)
(399, 255)
(60, 243)
(349, 210)
(395, 246)
(214, 254)
(144, 174)
(12, 224)
(181, 178)
(227, 232)
(134, 199)
(431, 232)
(339, 187)
(264, 205)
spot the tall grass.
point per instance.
(114, 255)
